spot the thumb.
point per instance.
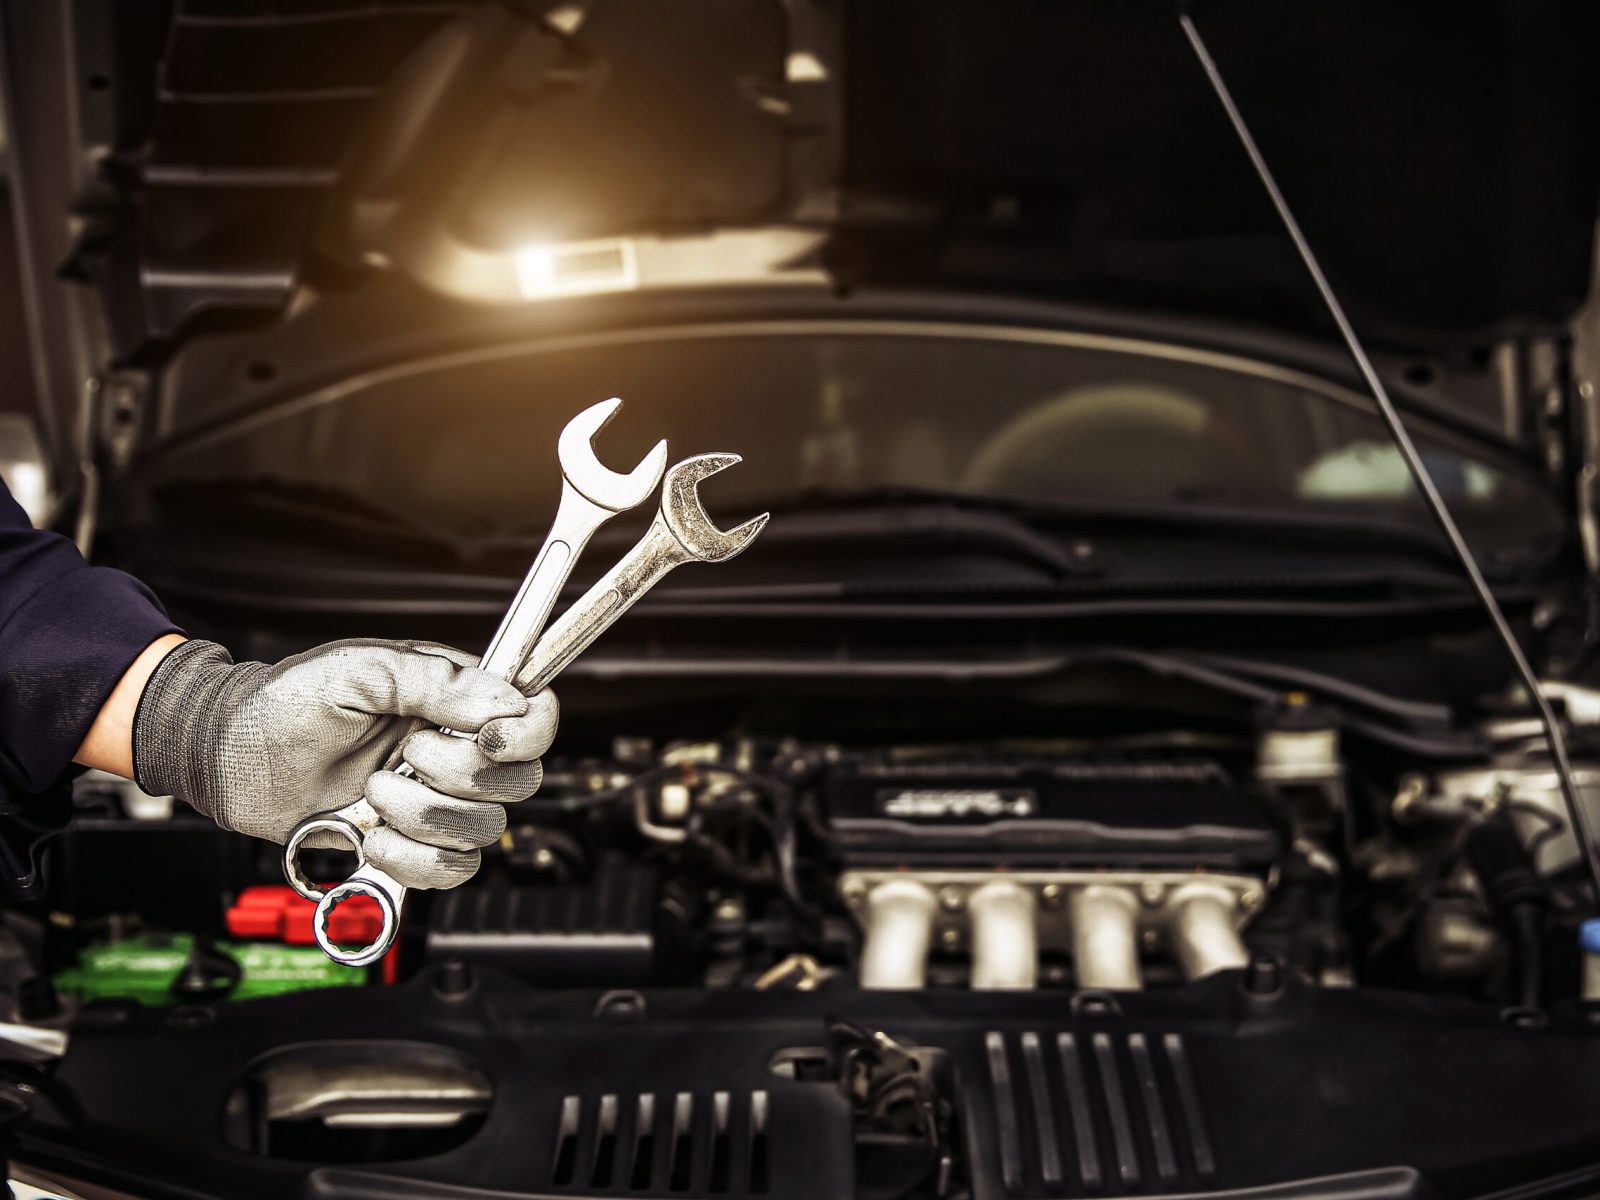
(393, 677)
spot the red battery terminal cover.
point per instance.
(277, 912)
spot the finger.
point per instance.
(432, 818)
(325, 840)
(393, 677)
(413, 864)
(517, 739)
(439, 650)
(458, 767)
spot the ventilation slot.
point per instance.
(567, 1142)
(605, 1144)
(1101, 1113)
(681, 1170)
(712, 1144)
(760, 1183)
(644, 1144)
(721, 1145)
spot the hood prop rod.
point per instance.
(1413, 460)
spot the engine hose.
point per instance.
(1513, 890)
(1526, 920)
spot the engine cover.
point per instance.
(1221, 1088)
(1044, 812)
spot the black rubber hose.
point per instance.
(1526, 922)
(1514, 891)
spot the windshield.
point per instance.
(470, 443)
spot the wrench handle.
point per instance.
(577, 518)
(614, 593)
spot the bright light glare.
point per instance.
(576, 268)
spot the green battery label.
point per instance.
(144, 969)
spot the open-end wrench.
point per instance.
(681, 533)
(591, 494)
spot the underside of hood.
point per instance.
(1441, 157)
(1444, 159)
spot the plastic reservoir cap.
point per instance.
(1589, 936)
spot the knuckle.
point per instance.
(508, 780)
(453, 867)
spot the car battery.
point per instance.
(149, 969)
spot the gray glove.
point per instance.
(259, 748)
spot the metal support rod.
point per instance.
(1413, 460)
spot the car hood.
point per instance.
(1444, 160)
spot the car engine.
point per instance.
(1013, 968)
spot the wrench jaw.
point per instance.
(686, 516)
(597, 483)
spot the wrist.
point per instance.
(180, 699)
(108, 746)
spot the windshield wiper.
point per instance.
(925, 518)
(1065, 528)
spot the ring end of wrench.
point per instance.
(340, 828)
(376, 886)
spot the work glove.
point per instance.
(259, 747)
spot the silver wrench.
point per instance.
(681, 533)
(591, 494)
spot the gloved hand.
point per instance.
(260, 747)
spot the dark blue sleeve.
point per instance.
(68, 632)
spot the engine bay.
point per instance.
(756, 966)
(1101, 779)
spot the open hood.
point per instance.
(1444, 159)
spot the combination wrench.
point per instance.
(681, 533)
(591, 494)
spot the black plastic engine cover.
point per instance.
(558, 935)
(1201, 1089)
(1044, 812)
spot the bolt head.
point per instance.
(951, 899)
(1050, 895)
(1151, 891)
(1250, 899)
(855, 893)
(950, 939)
